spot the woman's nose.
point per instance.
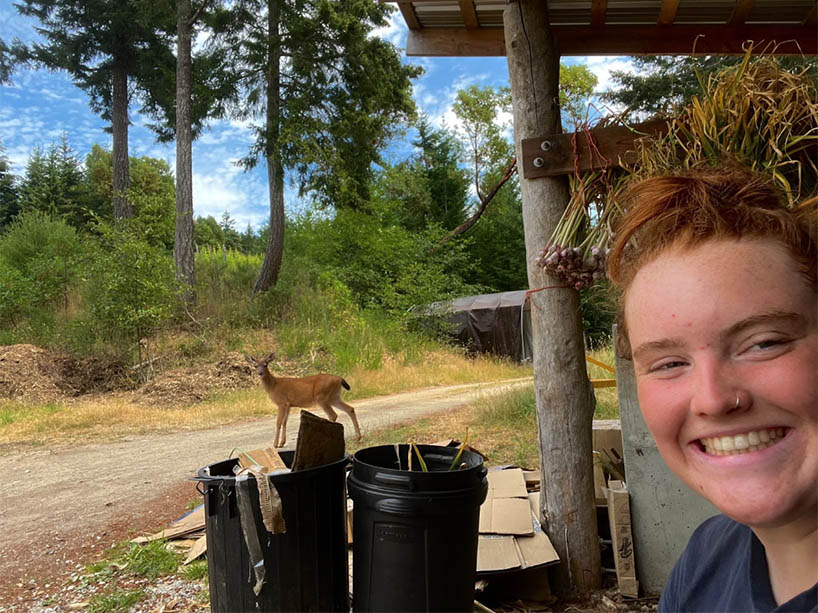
(716, 389)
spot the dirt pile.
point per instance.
(197, 383)
(31, 373)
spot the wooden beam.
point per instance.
(598, 10)
(621, 40)
(668, 12)
(469, 14)
(553, 154)
(409, 15)
(741, 11)
(812, 17)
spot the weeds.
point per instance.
(119, 600)
(195, 571)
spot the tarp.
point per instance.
(491, 323)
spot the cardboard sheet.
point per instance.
(506, 516)
(510, 534)
(508, 483)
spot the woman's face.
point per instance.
(725, 351)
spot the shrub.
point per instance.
(133, 287)
(48, 254)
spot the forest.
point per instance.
(100, 250)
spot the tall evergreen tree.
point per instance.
(9, 198)
(54, 184)
(328, 95)
(112, 50)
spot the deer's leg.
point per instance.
(281, 425)
(331, 415)
(349, 410)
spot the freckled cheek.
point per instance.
(662, 409)
(792, 385)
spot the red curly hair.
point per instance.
(687, 209)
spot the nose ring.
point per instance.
(737, 402)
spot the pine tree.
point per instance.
(327, 93)
(9, 197)
(112, 50)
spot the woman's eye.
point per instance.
(667, 366)
(768, 343)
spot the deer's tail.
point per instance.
(345, 384)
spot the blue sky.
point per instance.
(40, 106)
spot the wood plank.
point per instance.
(409, 15)
(620, 40)
(668, 12)
(469, 14)
(741, 11)
(598, 10)
(597, 383)
(612, 143)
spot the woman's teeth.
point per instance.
(742, 443)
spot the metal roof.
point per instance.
(610, 27)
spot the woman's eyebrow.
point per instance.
(773, 317)
(662, 344)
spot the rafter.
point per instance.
(811, 20)
(469, 14)
(668, 12)
(409, 15)
(740, 12)
(598, 10)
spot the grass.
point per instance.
(118, 414)
(116, 600)
(503, 426)
(151, 560)
(195, 571)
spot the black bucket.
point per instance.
(306, 567)
(415, 533)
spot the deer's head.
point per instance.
(261, 365)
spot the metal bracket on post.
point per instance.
(553, 154)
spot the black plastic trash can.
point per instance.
(306, 567)
(415, 533)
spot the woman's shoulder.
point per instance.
(719, 531)
(713, 572)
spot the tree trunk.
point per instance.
(268, 275)
(183, 254)
(119, 127)
(564, 395)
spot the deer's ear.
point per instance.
(270, 357)
(249, 359)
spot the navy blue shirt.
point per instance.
(724, 568)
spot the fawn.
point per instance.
(304, 392)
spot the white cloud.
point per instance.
(395, 32)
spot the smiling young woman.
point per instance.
(719, 314)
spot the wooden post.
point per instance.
(564, 396)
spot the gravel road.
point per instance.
(60, 506)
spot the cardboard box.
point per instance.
(607, 440)
(619, 516)
(267, 458)
(510, 534)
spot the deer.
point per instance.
(303, 392)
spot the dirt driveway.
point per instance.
(61, 507)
